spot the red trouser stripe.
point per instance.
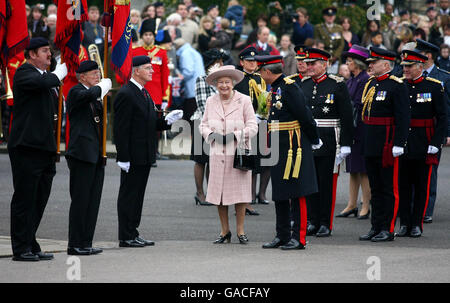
(303, 219)
(396, 196)
(333, 198)
(428, 195)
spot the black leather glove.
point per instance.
(228, 138)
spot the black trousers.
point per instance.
(33, 171)
(415, 177)
(131, 199)
(86, 185)
(296, 210)
(385, 193)
(320, 204)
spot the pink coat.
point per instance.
(227, 184)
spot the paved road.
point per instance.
(183, 233)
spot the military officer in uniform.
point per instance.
(328, 98)
(84, 156)
(431, 70)
(32, 147)
(252, 85)
(135, 126)
(300, 55)
(293, 176)
(331, 34)
(386, 115)
(428, 128)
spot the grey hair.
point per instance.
(360, 64)
(276, 68)
(78, 76)
(391, 63)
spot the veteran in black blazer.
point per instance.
(32, 147)
(135, 125)
(84, 156)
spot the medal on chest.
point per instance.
(277, 97)
(424, 97)
(330, 99)
(381, 96)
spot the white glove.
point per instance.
(345, 151)
(317, 146)
(105, 84)
(124, 166)
(60, 71)
(432, 149)
(397, 151)
(173, 116)
(164, 105)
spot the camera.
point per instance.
(41, 6)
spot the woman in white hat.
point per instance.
(229, 118)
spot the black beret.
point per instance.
(141, 60)
(212, 55)
(329, 11)
(87, 66)
(148, 25)
(425, 46)
(37, 42)
(248, 54)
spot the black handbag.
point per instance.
(243, 158)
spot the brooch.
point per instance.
(278, 105)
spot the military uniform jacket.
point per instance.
(328, 98)
(34, 109)
(444, 77)
(388, 99)
(427, 101)
(244, 87)
(331, 37)
(86, 112)
(288, 104)
(135, 126)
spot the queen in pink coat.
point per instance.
(229, 120)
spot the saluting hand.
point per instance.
(60, 71)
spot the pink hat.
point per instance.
(225, 71)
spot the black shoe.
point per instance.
(27, 256)
(78, 251)
(427, 219)
(353, 211)
(224, 238)
(311, 230)
(251, 212)
(261, 201)
(94, 250)
(323, 232)
(383, 236)
(145, 242)
(364, 217)
(44, 256)
(276, 242)
(403, 231)
(253, 202)
(415, 232)
(367, 237)
(243, 239)
(292, 244)
(199, 202)
(130, 243)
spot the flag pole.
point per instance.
(58, 125)
(105, 75)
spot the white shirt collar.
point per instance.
(136, 83)
(84, 85)
(262, 45)
(430, 69)
(39, 70)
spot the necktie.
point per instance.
(148, 98)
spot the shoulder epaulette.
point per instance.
(397, 79)
(136, 46)
(402, 78)
(433, 80)
(162, 47)
(336, 78)
(257, 74)
(292, 76)
(288, 80)
(306, 78)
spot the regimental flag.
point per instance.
(13, 29)
(121, 39)
(71, 13)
